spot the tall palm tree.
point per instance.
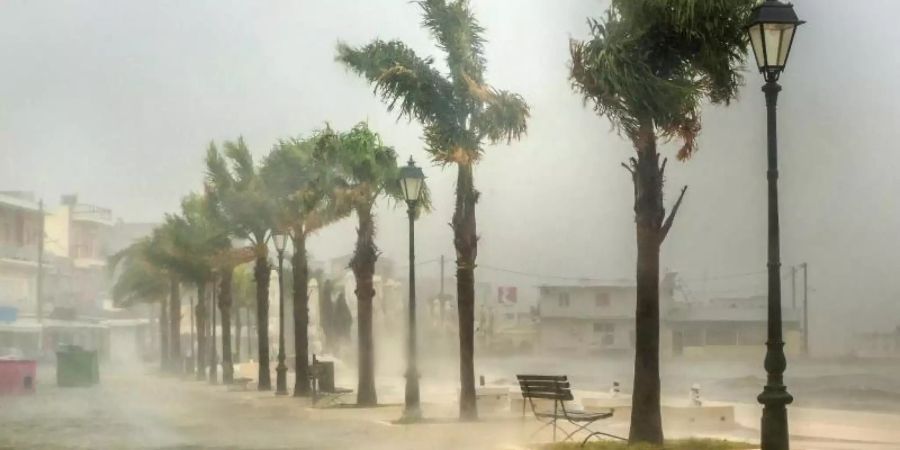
(648, 67)
(162, 252)
(302, 186)
(137, 280)
(459, 113)
(368, 171)
(247, 208)
(195, 240)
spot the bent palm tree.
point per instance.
(247, 209)
(138, 280)
(647, 67)
(368, 170)
(301, 187)
(458, 112)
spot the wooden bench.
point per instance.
(557, 389)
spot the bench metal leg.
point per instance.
(597, 433)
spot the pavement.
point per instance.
(139, 409)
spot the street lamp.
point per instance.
(412, 180)
(771, 30)
(280, 239)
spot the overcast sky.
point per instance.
(117, 100)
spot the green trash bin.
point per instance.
(76, 367)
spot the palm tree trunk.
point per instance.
(646, 420)
(164, 362)
(200, 314)
(213, 351)
(465, 239)
(237, 334)
(175, 326)
(363, 266)
(261, 273)
(225, 311)
(300, 272)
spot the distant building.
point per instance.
(729, 327)
(881, 345)
(81, 233)
(585, 318)
(590, 317)
(20, 230)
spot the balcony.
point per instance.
(19, 254)
(91, 213)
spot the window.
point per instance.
(564, 299)
(600, 327)
(608, 339)
(601, 300)
(510, 316)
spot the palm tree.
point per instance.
(246, 207)
(138, 280)
(459, 113)
(243, 298)
(196, 239)
(368, 170)
(648, 67)
(161, 252)
(302, 187)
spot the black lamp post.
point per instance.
(280, 239)
(412, 181)
(771, 30)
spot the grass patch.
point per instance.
(687, 444)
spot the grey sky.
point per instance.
(116, 100)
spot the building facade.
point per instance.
(20, 231)
(593, 318)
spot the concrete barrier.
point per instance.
(492, 399)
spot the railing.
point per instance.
(27, 253)
(91, 212)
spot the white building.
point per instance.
(584, 318)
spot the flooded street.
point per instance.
(139, 409)
(130, 410)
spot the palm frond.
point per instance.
(505, 117)
(656, 61)
(458, 33)
(406, 82)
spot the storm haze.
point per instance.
(117, 101)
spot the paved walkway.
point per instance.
(142, 411)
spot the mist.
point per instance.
(117, 102)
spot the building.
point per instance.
(20, 230)
(81, 233)
(879, 345)
(587, 318)
(729, 327)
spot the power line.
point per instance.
(538, 275)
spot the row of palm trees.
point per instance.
(648, 67)
(300, 187)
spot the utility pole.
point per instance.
(39, 290)
(805, 312)
(794, 288)
(441, 295)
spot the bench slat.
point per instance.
(542, 377)
(550, 395)
(544, 385)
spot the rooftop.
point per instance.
(19, 200)
(716, 313)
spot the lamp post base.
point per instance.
(281, 379)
